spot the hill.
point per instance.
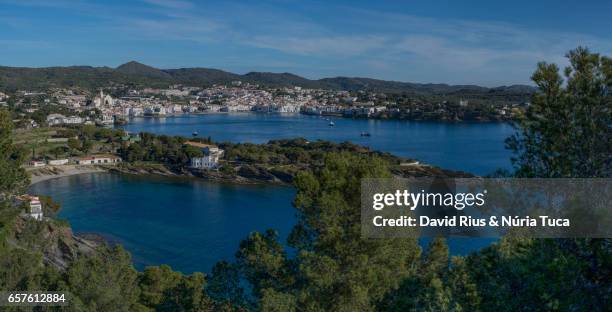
(135, 68)
(202, 76)
(138, 74)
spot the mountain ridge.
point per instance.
(135, 73)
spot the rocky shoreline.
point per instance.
(244, 175)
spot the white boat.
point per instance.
(331, 124)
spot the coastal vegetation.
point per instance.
(333, 269)
(277, 161)
(325, 265)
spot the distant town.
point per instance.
(118, 103)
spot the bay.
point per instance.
(191, 224)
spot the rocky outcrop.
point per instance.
(57, 243)
(257, 173)
(156, 169)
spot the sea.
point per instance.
(190, 224)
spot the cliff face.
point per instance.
(58, 245)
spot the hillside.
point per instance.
(202, 76)
(137, 74)
(139, 69)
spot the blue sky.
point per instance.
(459, 42)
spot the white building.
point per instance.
(133, 111)
(58, 162)
(156, 111)
(59, 119)
(107, 119)
(35, 208)
(37, 163)
(175, 92)
(73, 120)
(211, 157)
(98, 160)
(190, 109)
(103, 100)
(55, 119)
(176, 109)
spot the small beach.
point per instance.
(53, 172)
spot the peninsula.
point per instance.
(64, 151)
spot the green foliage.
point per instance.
(337, 269)
(264, 262)
(86, 146)
(19, 269)
(50, 207)
(74, 145)
(329, 267)
(565, 133)
(557, 275)
(333, 268)
(427, 290)
(136, 75)
(155, 282)
(224, 284)
(294, 151)
(227, 170)
(273, 301)
(105, 282)
(165, 290)
(165, 149)
(13, 178)
(92, 78)
(566, 130)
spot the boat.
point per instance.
(331, 124)
(365, 134)
(195, 133)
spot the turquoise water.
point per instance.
(474, 147)
(191, 224)
(187, 223)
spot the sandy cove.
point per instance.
(52, 172)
